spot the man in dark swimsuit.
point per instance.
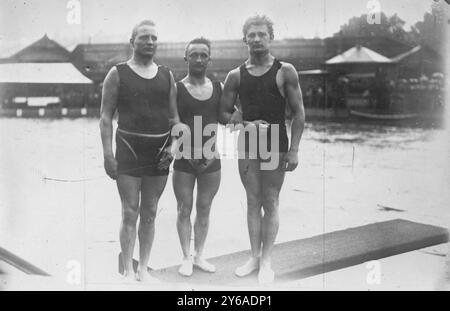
(263, 85)
(144, 95)
(198, 104)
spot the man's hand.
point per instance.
(111, 167)
(258, 123)
(180, 129)
(200, 165)
(290, 161)
(236, 121)
(165, 159)
(236, 118)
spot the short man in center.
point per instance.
(198, 105)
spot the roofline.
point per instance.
(81, 45)
(404, 55)
(34, 42)
(413, 51)
(365, 63)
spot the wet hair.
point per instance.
(258, 20)
(146, 22)
(200, 40)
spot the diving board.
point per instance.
(320, 254)
(20, 263)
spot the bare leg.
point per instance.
(249, 172)
(183, 186)
(151, 190)
(272, 181)
(250, 177)
(129, 188)
(207, 186)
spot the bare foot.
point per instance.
(251, 265)
(202, 264)
(127, 277)
(145, 277)
(265, 274)
(186, 267)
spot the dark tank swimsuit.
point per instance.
(260, 99)
(143, 124)
(189, 108)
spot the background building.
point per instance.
(42, 75)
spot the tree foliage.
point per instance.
(392, 27)
(430, 31)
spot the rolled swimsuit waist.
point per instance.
(143, 135)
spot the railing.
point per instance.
(20, 263)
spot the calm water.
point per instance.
(349, 174)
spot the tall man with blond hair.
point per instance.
(264, 86)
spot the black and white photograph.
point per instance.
(228, 145)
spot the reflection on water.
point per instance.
(381, 136)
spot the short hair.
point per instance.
(200, 40)
(146, 22)
(258, 20)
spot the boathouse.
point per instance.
(42, 76)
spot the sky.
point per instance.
(23, 22)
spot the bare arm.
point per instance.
(295, 102)
(229, 95)
(174, 121)
(174, 118)
(108, 107)
(175, 127)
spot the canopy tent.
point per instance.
(42, 73)
(358, 55)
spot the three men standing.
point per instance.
(148, 103)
